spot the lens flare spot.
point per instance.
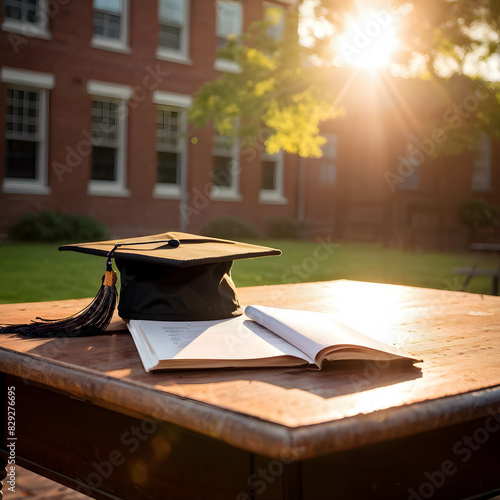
(161, 448)
(139, 472)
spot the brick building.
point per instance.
(93, 104)
(390, 187)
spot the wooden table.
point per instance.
(88, 416)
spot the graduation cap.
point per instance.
(164, 277)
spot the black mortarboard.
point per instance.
(165, 277)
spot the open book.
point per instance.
(263, 337)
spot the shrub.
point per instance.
(284, 228)
(230, 228)
(49, 226)
(477, 214)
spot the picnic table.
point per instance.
(477, 270)
(89, 417)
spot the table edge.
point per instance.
(244, 431)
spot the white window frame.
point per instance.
(481, 175)
(41, 83)
(221, 64)
(122, 94)
(180, 56)
(232, 192)
(40, 29)
(274, 196)
(182, 102)
(121, 45)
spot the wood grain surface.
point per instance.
(308, 412)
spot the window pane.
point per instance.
(170, 37)
(21, 159)
(221, 42)
(268, 175)
(107, 25)
(104, 123)
(12, 10)
(168, 127)
(22, 10)
(22, 114)
(167, 167)
(229, 19)
(410, 160)
(411, 179)
(103, 164)
(13, 13)
(222, 171)
(328, 170)
(481, 175)
(172, 12)
(330, 147)
(275, 15)
(113, 6)
(223, 145)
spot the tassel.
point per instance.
(92, 320)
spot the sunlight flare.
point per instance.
(369, 41)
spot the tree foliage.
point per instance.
(287, 87)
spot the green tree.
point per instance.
(287, 87)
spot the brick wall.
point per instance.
(71, 59)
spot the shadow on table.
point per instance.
(116, 356)
(338, 379)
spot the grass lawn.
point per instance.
(36, 272)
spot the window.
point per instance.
(108, 137)
(223, 161)
(225, 183)
(481, 176)
(271, 187)
(269, 177)
(111, 25)
(171, 146)
(408, 168)
(27, 17)
(26, 11)
(26, 130)
(229, 25)
(275, 15)
(22, 133)
(229, 21)
(168, 126)
(104, 140)
(328, 168)
(107, 18)
(173, 37)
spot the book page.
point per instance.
(231, 339)
(312, 332)
(146, 353)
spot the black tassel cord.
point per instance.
(93, 319)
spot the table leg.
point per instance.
(3, 474)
